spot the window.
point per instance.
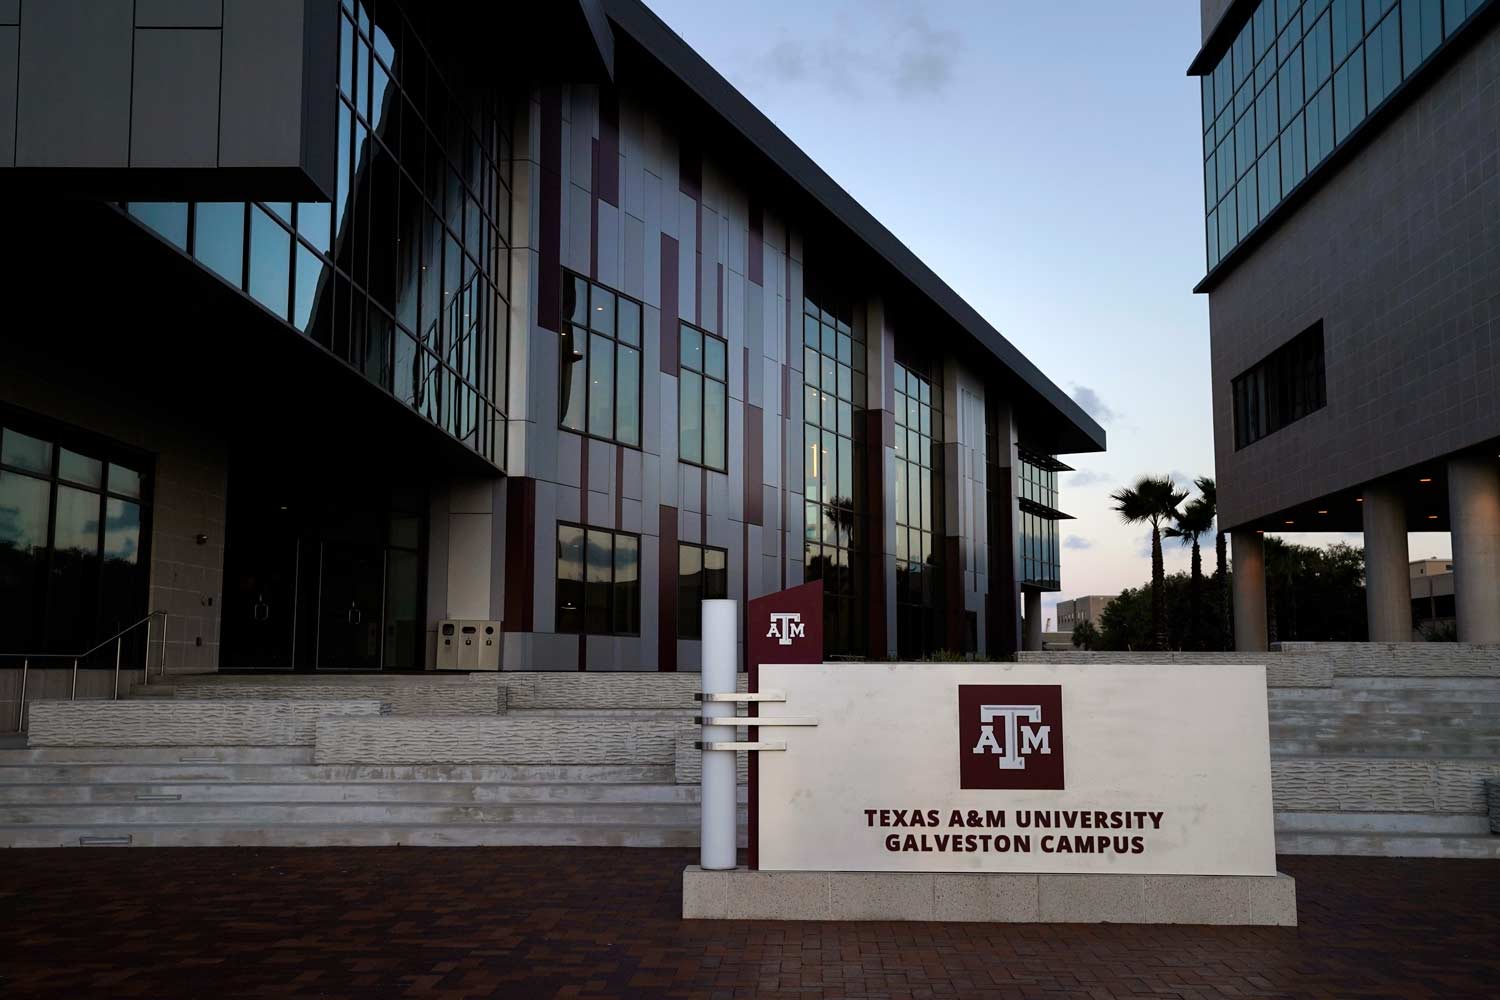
(600, 351)
(1036, 484)
(74, 525)
(1276, 74)
(703, 399)
(836, 511)
(702, 575)
(919, 513)
(1282, 389)
(598, 581)
(404, 275)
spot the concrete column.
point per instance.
(1387, 566)
(1474, 518)
(1033, 639)
(1248, 552)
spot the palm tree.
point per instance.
(1196, 518)
(1153, 499)
(1208, 495)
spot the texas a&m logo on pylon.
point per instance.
(1010, 736)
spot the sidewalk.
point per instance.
(543, 922)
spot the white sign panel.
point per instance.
(1027, 767)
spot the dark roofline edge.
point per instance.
(694, 72)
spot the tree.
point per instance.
(1194, 519)
(1085, 636)
(1152, 500)
(1208, 494)
(1313, 594)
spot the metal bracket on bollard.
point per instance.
(738, 745)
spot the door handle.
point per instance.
(261, 612)
(355, 615)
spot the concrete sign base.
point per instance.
(742, 894)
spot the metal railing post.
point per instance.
(73, 691)
(146, 656)
(119, 643)
(162, 669)
(21, 705)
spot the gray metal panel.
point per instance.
(319, 84)
(10, 11)
(175, 98)
(74, 89)
(179, 13)
(260, 110)
(9, 40)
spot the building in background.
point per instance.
(1432, 597)
(1352, 261)
(1082, 609)
(336, 322)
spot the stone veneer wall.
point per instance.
(1312, 669)
(1403, 659)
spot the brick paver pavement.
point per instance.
(518, 922)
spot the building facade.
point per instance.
(1349, 151)
(379, 336)
(1082, 609)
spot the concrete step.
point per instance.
(373, 835)
(1389, 845)
(129, 793)
(157, 755)
(1485, 712)
(1416, 747)
(495, 740)
(229, 773)
(434, 813)
(170, 723)
(1375, 688)
(1444, 824)
(412, 698)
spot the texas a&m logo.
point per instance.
(786, 626)
(1010, 736)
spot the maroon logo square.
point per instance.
(1010, 736)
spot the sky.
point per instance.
(1070, 130)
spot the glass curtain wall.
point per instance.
(1295, 83)
(1036, 482)
(833, 373)
(919, 512)
(74, 527)
(405, 275)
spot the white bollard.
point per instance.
(718, 834)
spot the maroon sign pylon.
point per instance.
(784, 627)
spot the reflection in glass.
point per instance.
(125, 482)
(601, 387)
(628, 382)
(715, 415)
(569, 578)
(690, 416)
(219, 239)
(25, 452)
(24, 520)
(169, 219)
(627, 585)
(311, 279)
(599, 573)
(80, 469)
(689, 591)
(270, 261)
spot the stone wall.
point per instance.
(1305, 670)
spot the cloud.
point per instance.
(1092, 404)
(1077, 542)
(1085, 477)
(882, 45)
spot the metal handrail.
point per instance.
(118, 639)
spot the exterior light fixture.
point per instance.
(1425, 479)
(1359, 499)
(1290, 522)
(1432, 517)
(1322, 512)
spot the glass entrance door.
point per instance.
(351, 606)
